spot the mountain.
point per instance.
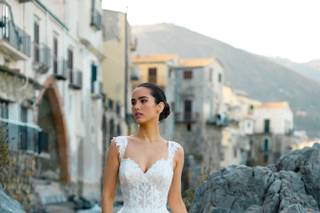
(310, 69)
(314, 64)
(260, 77)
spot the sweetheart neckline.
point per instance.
(152, 165)
(138, 165)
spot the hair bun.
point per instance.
(165, 112)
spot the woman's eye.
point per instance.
(143, 101)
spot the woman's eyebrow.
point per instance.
(139, 98)
(142, 97)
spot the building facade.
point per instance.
(51, 92)
(198, 100)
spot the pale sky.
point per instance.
(278, 28)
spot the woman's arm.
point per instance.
(175, 199)
(110, 174)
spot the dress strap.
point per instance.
(121, 142)
(173, 147)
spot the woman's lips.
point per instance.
(138, 114)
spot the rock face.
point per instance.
(8, 205)
(291, 185)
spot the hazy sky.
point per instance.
(279, 28)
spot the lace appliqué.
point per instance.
(145, 191)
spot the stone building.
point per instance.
(118, 45)
(157, 68)
(273, 133)
(51, 97)
(197, 84)
(238, 109)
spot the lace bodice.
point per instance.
(145, 192)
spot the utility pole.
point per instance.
(126, 85)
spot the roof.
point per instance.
(158, 58)
(274, 105)
(195, 62)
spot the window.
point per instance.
(266, 149)
(4, 112)
(70, 63)
(24, 114)
(94, 76)
(220, 78)
(118, 129)
(23, 130)
(189, 127)
(210, 74)
(187, 74)
(36, 42)
(152, 75)
(111, 129)
(266, 145)
(266, 126)
(187, 110)
(55, 55)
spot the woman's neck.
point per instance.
(149, 132)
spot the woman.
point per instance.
(149, 166)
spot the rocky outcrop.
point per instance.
(9, 205)
(291, 185)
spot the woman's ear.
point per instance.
(161, 106)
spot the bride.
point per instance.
(149, 167)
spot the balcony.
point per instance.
(14, 42)
(41, 58)
(96, 20)
(22, 136)
(75, 80)
(60, 69)
(186, 117)
(97, 89)
(135, 74)
(219, 120)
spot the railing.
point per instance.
(15, 37)
(135, 75)
(186, 117)
(219, 120)
(97, 88)
(60, 69)
(96, 19)
(42, 57)
(23, 136)
(76, 79)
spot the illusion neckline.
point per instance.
(153, 164)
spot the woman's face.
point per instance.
(143, 105)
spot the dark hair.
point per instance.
(159, 96)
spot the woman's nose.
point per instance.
(136, 106)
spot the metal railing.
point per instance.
(219, 120)
(187, 117)
(76, 79)
(60, 69)
(23, 136)
(15, 36)
(41, 57)
(96, 19)
(97, 88)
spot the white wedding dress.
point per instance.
(145, 192)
